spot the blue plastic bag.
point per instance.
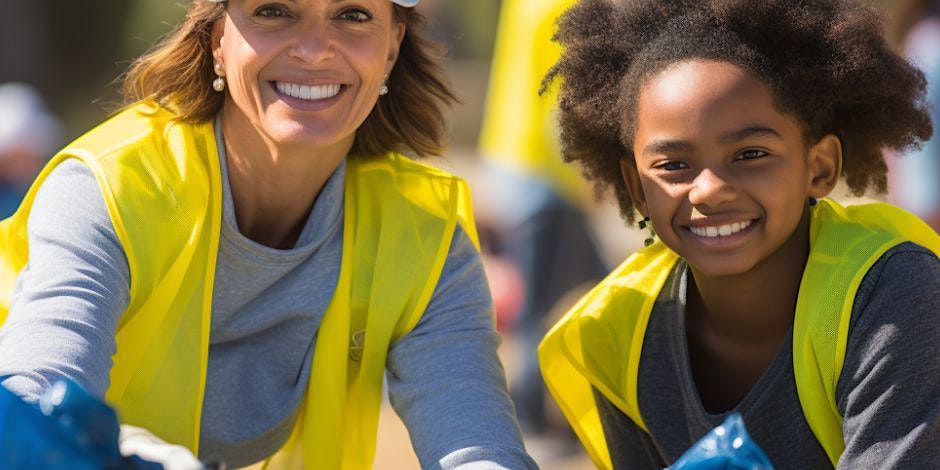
(70, 430)
(727, 447)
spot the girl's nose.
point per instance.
(710, 189)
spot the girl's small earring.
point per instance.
(812, 201)
(219, 83)
(643, 225)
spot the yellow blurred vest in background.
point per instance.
(599, 341)
(519, 126)
(161, 181)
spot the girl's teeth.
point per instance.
(720, 230)
(308, 92)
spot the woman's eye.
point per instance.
(272, 11)
(356, 16)
(751, 154)
(672, 166)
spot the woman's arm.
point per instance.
(445, 379)
(68, 299)
(889, 390)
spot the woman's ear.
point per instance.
(824, 165)
(631, 177)
(398, 35)
(218, 32)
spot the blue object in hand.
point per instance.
(727, 447)
(70, 430)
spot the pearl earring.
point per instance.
(219, 83)
(384, 89)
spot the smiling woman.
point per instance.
(237, 258)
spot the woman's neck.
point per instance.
(273, 186)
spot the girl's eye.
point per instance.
(272, 11)
(355, 15)
(751, 154)
(672, 166)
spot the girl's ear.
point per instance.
(631, 177)
(824, 165)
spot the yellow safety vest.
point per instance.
(598, 343)
(518, 129)
(161, 182)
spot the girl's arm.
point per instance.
(445, 380)
(68, 299)
(889, 390)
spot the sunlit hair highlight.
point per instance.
(178, 73)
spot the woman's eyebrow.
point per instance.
(747, 132)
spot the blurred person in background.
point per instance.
(913, 179)
(533, 200)
(29, 135)
(238, 257)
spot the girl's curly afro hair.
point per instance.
(826, 61)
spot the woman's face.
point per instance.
(306, 72)
(721, 172)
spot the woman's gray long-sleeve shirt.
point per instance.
(444, 378)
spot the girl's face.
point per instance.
(306, 71)
(721, 172)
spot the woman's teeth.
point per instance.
(720, 230)
(305, 92)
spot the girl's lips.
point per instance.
(308, 105)
(722, 241)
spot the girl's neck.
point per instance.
(273, 186)
(755, 307)
(736, 324)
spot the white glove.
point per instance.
(142, 443)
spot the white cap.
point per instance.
(404, 3)
(25, 122)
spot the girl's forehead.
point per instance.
(702, 99)
(704, 81)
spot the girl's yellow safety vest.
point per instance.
(598, 343)
(161, 182)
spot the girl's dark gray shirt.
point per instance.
(444, 378)
(888, 392)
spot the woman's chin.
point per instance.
(297, 134)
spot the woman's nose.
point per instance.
(313, 43)
(710, 189)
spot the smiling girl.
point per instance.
(724, 125)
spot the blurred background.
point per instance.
(61, 63)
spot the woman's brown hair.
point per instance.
(177, 73)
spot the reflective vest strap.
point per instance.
(844, 244)
(400, 220)
(589, 347)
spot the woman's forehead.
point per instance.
(404, 3)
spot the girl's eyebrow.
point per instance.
(664, 146)
(748, 132)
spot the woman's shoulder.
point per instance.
(399, 165)
(141, 124)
